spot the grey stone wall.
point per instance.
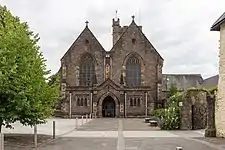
(194, 110)
(133, 41)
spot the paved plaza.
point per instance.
(130, 134)
(62, 126)
(116, 134)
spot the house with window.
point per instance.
(219, 25)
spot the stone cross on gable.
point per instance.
(133, 17)
(86, 23)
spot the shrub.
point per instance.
(170, 116)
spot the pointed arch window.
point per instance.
(133, 72)
(87, 71)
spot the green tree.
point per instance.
(54, 80)
(172, 90)
(25, 95)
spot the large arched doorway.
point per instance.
(108, 107)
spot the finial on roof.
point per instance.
(133, 17)
(116, 14)
(86, 23)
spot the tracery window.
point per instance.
(131, 102)
(82, 101)
(78, 102)
(133, 72)
(135, 101)
(138, 102)
(87, 71)
(85, 102)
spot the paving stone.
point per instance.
(129, 134)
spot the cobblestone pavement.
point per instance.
(130, 134)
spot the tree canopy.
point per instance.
(25, 95)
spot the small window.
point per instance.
(133, 41)
(85, 102)
(135, 102)
(82, 102)
(131, 102)
(86, 42)
(139, 102)
(78, 102)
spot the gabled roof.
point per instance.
(108, 82)
(181, 81)
(133, 23)
(86, 30)
(211, 82)
(219, 21)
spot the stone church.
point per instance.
(124, 81)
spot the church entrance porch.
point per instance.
(108, 107)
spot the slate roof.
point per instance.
(85, 31)
(211, 82)
(219, 21)
(181, 81)
(121, 37)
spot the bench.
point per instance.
(153, 123)
(147, 120)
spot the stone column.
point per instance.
(91, 102)
(70, 104)
(125, 105)
(186, 114)
(146, 104)
(210, 130)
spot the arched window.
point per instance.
(87, 71)
(131, 102)
(78, 101)
(82, 102)
(135, 101)
(139, 102)
(133, 72)
(85, 102)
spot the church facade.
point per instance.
(122, 82)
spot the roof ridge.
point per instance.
(217, 23)
(133, 22)
(86, 28)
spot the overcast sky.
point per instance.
(178, 29)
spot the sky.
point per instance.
(178, 29)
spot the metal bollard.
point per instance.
(90, 116)
(86, 118)
(179, 148)
(76, 122)
(53, 130)
(35, 136)
(82, 120)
